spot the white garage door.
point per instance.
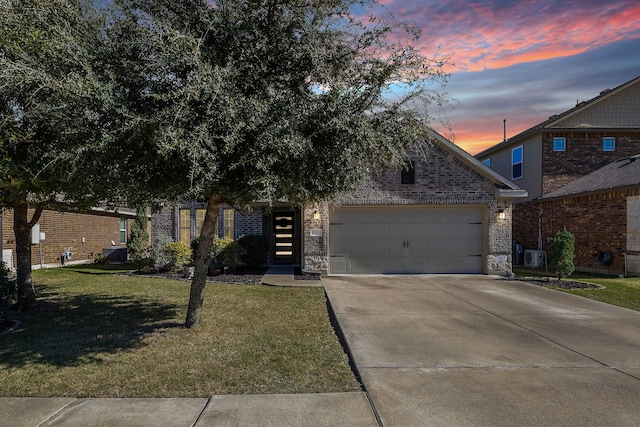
(407, 239)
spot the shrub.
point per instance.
(8, 291)
(256, 250)
(158, 258)
(226, 251)
(178, 255)
(138, 244)
(561, 252)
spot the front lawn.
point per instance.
(623, 292)
(97, 334)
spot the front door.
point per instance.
(284, 236)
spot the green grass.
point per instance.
(623, 292)
(104, 335)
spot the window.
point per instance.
(123, 230)
(487, 162)
(228, 215)
(199, 220)
(608, 143)
(408, 173)
(559, 144)
(516, 163)
(185, 226)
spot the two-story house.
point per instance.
(556, 152)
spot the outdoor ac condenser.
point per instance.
(533, 258)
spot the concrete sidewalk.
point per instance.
(481, 351)
(332, 409)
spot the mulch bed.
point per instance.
(553, 283)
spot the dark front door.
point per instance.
(284, 236)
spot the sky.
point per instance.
(523, 60)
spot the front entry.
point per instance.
(284, 237)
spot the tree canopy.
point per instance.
(273, 99)
(49, 103)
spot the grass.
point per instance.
(623, 292)
(97, 334)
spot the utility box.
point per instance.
(115, 254)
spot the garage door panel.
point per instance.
(378, 239)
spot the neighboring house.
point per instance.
(445, 213)
(563, 148)
(602, 210)
(84, 235)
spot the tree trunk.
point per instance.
(22, 229)
(203, 254)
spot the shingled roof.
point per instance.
(553, 120)
(620, 174)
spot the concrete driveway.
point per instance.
(451, 350)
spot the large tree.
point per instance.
(49, 98)
(272, 99)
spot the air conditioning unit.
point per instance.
(533, 258)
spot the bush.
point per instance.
(226, 251)
(256, 250)
(8, 291)
(561, 252)
(158, 258)
(178, 254)
(138, 244)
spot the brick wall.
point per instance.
(67, 229)
(599, 223)
(583, 155)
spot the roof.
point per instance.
(555, 119)
(504, 187)
(622, 173)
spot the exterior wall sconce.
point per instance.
(501, 214)
(316, 215)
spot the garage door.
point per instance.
(414, 239)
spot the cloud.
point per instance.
(497, 34)
(527, 94)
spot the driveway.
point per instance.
(454, 350)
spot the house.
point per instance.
(602, 210)
(444, 213)
(82, 235)
(563, 148)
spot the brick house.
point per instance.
(86, 234)
(563, 148)
(602, 209)
(444, 213)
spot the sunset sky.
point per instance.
(523, 60)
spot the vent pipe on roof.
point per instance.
(504, 126)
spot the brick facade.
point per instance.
(582, 156)
(599, 223)
(440, 179)
(68, 229)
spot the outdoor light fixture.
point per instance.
(316, 215)
(501, 214)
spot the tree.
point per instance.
(275, 99)
(561, 252)
(138, 244)
(48, 99)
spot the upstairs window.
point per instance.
(408, 173)
(487, 162)
(559, 144)
(608, 143)
(516, 163)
